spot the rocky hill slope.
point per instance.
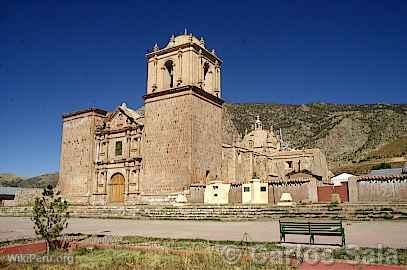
(41, 181)
(345, 133)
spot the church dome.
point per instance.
(261, 139)
(258, 138)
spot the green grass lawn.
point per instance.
(124, 259)
(134, 252)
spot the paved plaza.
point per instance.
(366, 234)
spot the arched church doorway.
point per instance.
(117, 188)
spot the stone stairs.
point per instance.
(232, 212)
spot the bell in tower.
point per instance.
(183, 61)
(183, 117)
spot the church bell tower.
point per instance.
(183, 116)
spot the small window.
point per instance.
(119, 148)
(215, 187)
(215, 195)
(290, 164)
(246, 189)
(263, 189)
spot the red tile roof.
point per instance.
(381, 177)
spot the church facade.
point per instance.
(129, 156)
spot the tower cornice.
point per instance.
(204, 51)
(194, 89)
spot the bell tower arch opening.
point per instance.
(184, 61)
(169, 74)
(207, 78)
(206, 69)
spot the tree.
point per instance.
(381, 166)
(50, 215)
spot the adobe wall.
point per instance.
(325, 192)
(301, 191)
(367, 189)
(382, 191)
(196, 194)
(78, 153)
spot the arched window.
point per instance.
(207, 78)
(169, 74)
(206, 69)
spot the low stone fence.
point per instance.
(23, 197)
(26, 196)
(233, 212)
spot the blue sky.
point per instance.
(62, 56)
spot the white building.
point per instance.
(216, 192)
(343, 177)
(255, 192)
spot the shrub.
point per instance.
(381, 166)
(50, 216)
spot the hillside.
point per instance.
(41, 181)
(10, 179)
(345, 133)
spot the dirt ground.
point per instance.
(363, 234)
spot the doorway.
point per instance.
(117, 188)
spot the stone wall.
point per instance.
(167, 144)
(26, 196)
(183, 140)
(354, 212)
(23, 197)
(78, 154)
(206, 139)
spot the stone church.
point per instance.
(177, 141)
